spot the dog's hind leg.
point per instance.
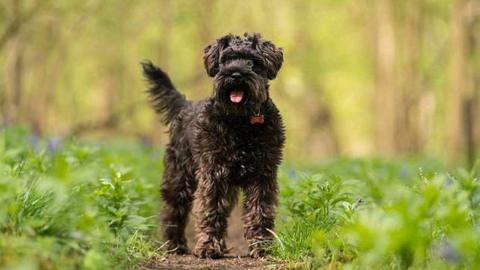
(177, 193)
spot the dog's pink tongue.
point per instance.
(236, 96)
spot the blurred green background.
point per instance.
(360, 77)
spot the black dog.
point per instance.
(230, 141)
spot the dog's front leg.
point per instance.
(215, 200)
(259, 214)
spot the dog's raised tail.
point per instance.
(164, 97)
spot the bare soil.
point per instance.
(236, 258)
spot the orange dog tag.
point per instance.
(257, 119)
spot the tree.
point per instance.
(461, 96)
(385, 96)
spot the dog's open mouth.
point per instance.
(236, 96)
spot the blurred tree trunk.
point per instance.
(385, 96)
(409, 126)
(19, 14)
(460, 95)
(455, 93)
(115, 88)
(14, 80)
(471, 104)
(14, 73)
(41, 111)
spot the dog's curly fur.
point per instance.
(215, 150)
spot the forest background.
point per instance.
(360, 78)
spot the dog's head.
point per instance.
(241, 68)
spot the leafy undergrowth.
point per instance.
(67, 205)
(372, 214)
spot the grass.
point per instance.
(65, 206)
(374, 214)
(71, 205)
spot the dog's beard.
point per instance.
(239, 97)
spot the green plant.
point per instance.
(76, 205)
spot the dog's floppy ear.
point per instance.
(212, 52)
(273, 56)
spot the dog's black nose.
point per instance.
(236, 75)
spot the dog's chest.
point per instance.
(241, 151)
(246, 152)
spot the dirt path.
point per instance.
(235, 259)
(229, 262)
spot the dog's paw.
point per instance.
(179, 249)
(210, 248)
(208, 252)
(257, 253)
(258, 248)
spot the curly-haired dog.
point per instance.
(229, 142)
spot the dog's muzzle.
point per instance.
(237, 88)
(236, 96)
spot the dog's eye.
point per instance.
(256, 69)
